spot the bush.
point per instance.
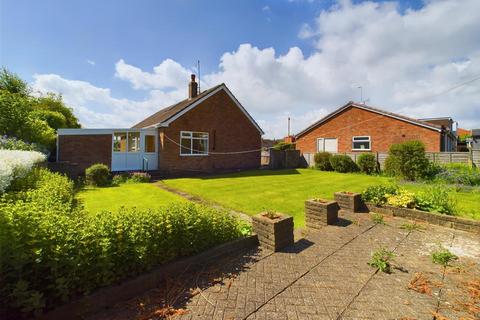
(97, 175)
(343, 163)
(322, 161)
(284, 146)
(139, 177)
(378, 194)
(459, 173)
(52, 251)
(16, 164)
(437, 199)
(407, 160)
(367, 163)
(403, 199)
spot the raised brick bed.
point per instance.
(430, 217)
(349, 201)
(274, 233)
(319, 213)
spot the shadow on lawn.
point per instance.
(251, 173)
(174, 294)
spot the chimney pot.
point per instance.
(192, 88)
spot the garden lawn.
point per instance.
(286, 190)
(140, 195)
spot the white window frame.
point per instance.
(192, 138)
(127, 144)
(368, 139)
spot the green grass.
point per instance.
(286, 190)
(140, 195)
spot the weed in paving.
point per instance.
(412, 226)
(377, 218)
(421, 284)
(381, 259)
(443, 256)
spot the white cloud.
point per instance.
(90, 62)
(405, 63)
(266, 9)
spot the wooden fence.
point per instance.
(438, 157)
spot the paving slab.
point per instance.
(326, 275)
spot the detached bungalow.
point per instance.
(357, 127)
(210, 131)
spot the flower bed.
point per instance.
(319, 213)
(274, 230)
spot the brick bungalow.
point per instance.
(207, 132)
(357, 127)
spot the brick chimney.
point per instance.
(192, 88)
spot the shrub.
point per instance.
(97, 175)
(16, 164)
(367, 163)
(378, 194)
(407, 160)
(284, 146)
(402, 199)
(140, 177)
(322, 161)
(435, 198)
(459, 173)
(7, 143)
(343, 163)
(52, 251)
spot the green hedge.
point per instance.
(367, 163)
(322, 161)
(343, 163)
(53, 251)
(98, 175)
(407, 160)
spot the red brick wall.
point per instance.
(383, 131)
(229, 131)
(85, 150)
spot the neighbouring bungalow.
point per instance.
(207, 132)
(356, 127)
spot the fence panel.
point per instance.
(437, 157)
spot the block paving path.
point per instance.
(325, 275)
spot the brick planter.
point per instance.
(349, 201)
(273, 234)
(319, 213)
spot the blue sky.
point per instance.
(109, 49)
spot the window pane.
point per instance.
(133, 141)
(361, 138)
(120, 142)
(149, 143)
(186, 134)
(361, 145)
(200, 146)
(200, 135)
(185, 146)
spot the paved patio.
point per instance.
(325, 275)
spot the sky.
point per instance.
(116, 62)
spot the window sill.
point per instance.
(193, 155)
(361, 149)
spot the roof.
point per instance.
(166, 115)
(372, 109)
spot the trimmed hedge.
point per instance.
(97, 175)
(322, 161)
(367, 163)
(343, 163)
(53, 251)
(407, 160)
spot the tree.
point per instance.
(54, 102)
(12, 83)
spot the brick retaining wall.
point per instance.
(430, 217)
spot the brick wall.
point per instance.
(85, 150)
(383, 131)
(229, 131)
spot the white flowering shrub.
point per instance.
(16, 164)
